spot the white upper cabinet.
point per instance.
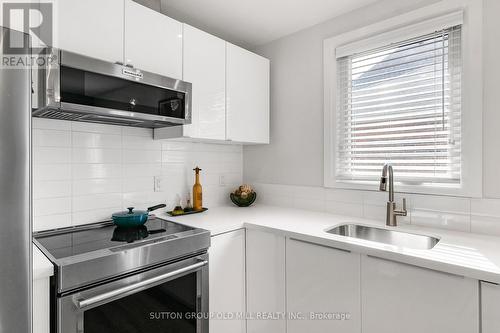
(153, 41)
(205, 67)
(322, 280)
(247, 93)
(401, 298)
(91, 27)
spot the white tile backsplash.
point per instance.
(83, 172)
(96, 186)
(96, 140)
(51, 206)
(452, 213)
(51, 155)
(51, 138)
(96, 155)
(93, 171)
(51, 124)
(485, 216)
(51, 172)
(51, 189)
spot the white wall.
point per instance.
(289, 171)
(84, 172)
(295, 155)
(491, 109)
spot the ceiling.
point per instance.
(255, 22)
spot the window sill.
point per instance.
(455, 191)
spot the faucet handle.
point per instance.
(401, 212)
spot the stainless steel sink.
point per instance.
(392, 237)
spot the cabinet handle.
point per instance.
(322, 245)
(416, 266)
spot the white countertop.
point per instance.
(467, 254)
(42, 267)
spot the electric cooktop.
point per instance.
(86, 254)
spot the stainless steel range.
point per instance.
(148, 279)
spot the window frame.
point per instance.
(400, 28)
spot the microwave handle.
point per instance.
(86, 302)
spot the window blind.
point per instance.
(402, 104)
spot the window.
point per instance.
(402, 104)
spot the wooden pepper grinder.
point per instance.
(197, 192)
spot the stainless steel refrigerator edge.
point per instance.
(15, 193)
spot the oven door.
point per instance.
(168, 299)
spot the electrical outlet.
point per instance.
(222, 180)
(158, 184)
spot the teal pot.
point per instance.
(133, 218)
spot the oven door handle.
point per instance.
(86, 302)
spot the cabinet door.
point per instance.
(153, 41)
(265, 280)
(324, 281)
(490, 308)
(227, 281)
(402, 298)
(41, 306)
(247, 89)
(92, 27)
(205, 67)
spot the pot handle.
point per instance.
(150, 209)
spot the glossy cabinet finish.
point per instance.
(153, 41)
(41, 305)
(322, 280)
(399, 298)
(227, 281)
(247, 93)
(265, 280)
(92, 27)
(204, 65)
(490, 308)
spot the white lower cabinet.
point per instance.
(399, 298)
(265, 282)
(322, 284)
(41, 305)
(490, 307)
(227, 282)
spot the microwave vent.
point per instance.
(58, 114)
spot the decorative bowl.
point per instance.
(243, 202)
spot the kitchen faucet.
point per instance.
(392, 212)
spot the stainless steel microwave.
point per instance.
(79, 88)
